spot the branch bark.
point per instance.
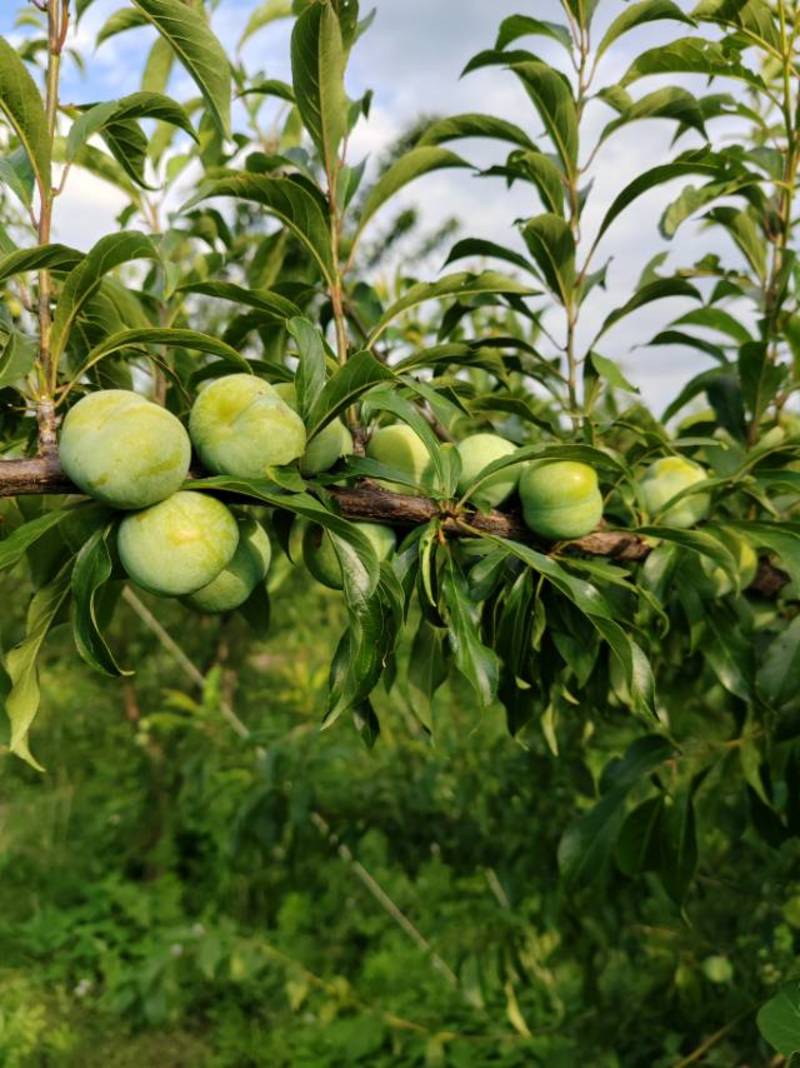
(370, 503)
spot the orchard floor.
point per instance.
(170, 896)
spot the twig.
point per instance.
(369, 502)
(383, 898)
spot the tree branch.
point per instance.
(368, 502)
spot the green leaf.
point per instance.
(639, 14)
(83, 280)
(22, 702)
(541, 170)
(273, 305)
(287, 201)
(93, 568)
(716, 319)
(516, 26)
(136, 106)
(779, 1020)
(271, 87)
(463, 284)
(55, 257)
(585, 847)
(360, 373)
(658, 290)
(318, 63)
(552, 96)
(550, 242)
(700, 164)
(473, 124)
(155, 335)
(17, 175)
(690, 55)
(702, 542)
(760, 378)
(203, 57)
(17, 357)
(411, 165)
(479, 665)
(263, 15)
(310, 377)
(745, 233)
(753, 18)
(669, 103)
(611, 372)
(21, 103)
(427, 669)
(475, 246)
(364, 653)
(15, 546)
(157, 69)
(778, 676)
(119, 22)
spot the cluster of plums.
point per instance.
(134, 455)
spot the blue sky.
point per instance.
(411, 58)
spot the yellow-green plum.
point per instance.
(178, 545)
(122, 449)
(477, 452)
(398, 446)
(240, 426)
(560, 499)
(667, 477)
(717, 582)
(320, 556)
(325, 448)
(237, 580)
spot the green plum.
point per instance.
(717, 582)
(234, 584)
(179, 545)
(667, 477)
(320, 556)
(325, 448)
(560, 499)
(477, 452)
(398, 446)
(122, 449)
(240, 426)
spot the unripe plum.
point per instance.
(320, 556)
(122, 449)
(477, 452)
(718, 583)
(398, 446)
(179, 545)
(325, 448)
(234, 584)
(240, 426)
(560, 499)
(668, 476)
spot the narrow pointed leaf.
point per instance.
(21, 104)
(203, 57)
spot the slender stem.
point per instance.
(773, 302)
(572, 306)
(47, 371)
(337, 292)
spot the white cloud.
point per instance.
(412, 58)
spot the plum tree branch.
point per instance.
(369, 502)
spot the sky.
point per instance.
(412, 58)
